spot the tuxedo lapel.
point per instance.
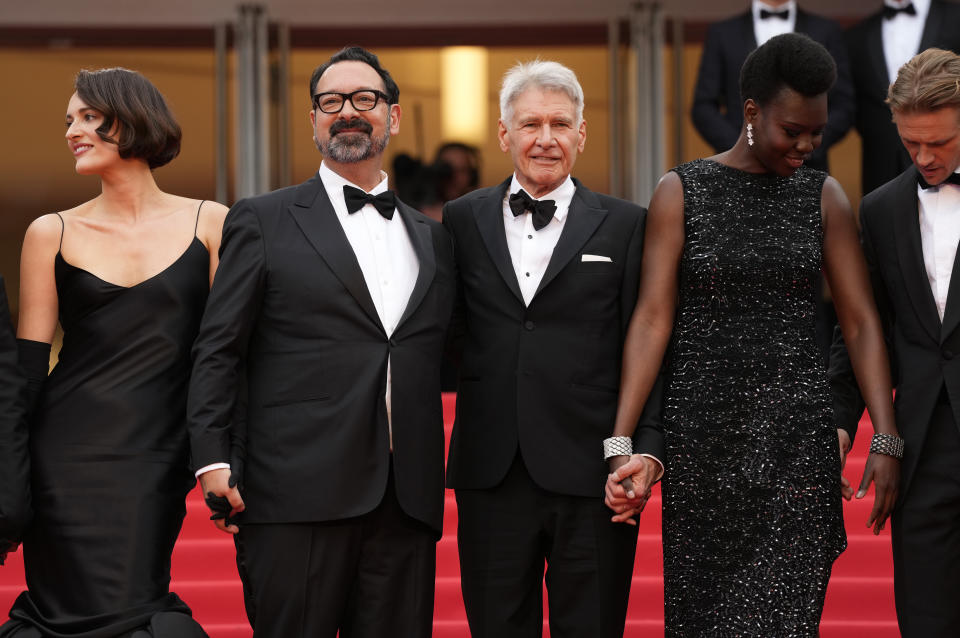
(874, 44)
(488, 213)
(748, 36)
(422, 240)
(583, 218)
(910, 252)
(931, 29)
(316, 218)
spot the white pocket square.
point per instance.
(586, 257)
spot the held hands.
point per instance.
(846, 490)
(884, 472)
(223, 498)
(628, 486)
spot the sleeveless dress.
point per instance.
(109, 454)
(752, 516)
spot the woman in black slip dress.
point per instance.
(127, 275)
(752, 516)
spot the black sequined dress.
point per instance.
(752, 518)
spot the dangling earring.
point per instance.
(749, 134)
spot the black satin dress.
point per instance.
(110, 463)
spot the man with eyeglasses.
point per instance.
(330, 306)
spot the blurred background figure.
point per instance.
(454, 172)
(717, 108)
(878, 47)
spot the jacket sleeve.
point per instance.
(214, 420)
(708, 96)
(14, 451)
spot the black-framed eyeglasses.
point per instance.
(362, 100)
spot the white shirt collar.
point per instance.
(334, 183)
(562, 195)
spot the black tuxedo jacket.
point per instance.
(717, 108)
(290, 304)
(544, 377)
(883, 155)
(925, 352)
(14, 454)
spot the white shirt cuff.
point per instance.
(218, 466)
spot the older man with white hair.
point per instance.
(548, 276)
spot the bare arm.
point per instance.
(38, 287)
(846, 271)
(211, 231)
(647, 337)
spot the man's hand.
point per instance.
(222, 497)
(884, 472)
(628, 486)
(846, 489)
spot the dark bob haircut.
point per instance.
(790, 60)
(134, 110)
(358, 54)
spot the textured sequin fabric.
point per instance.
(752, 518)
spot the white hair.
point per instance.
(544, 75)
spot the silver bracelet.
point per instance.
(617, 446)
(889, 444)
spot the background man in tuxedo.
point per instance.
(14, 455)
(334, 298)
(548, 275)
(910, 228)
(717, 108)
(879, 46)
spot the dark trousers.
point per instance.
(367, 577)
(507, 533)
(926, 537)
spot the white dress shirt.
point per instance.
(763, 30)
(386, 257)
(902, 34)
(385, 253)
(939, 209)
(530, 249)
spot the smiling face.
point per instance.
(543, 138)
(353, 136)
(933, 140)
(92, 154)
(787, 129)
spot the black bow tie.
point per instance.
(542, 210)
(953, 179)
(890, 12)
(385, 202)
(783, 15)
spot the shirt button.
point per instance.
(529, 236)
(528, 274)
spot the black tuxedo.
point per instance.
(289, 304)
(537, 395)
(926, 366)
(14, 455)
(883, 155)
(717, 110)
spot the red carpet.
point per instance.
(859, 601)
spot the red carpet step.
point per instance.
(859, 600)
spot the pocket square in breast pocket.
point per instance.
(586, 257)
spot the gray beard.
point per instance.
(349, 148)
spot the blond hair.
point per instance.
(929, 81)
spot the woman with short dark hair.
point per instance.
(126, 274)
(752, 517)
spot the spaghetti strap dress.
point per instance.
(109, 454)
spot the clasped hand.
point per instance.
(628, 486)
(223, 498)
